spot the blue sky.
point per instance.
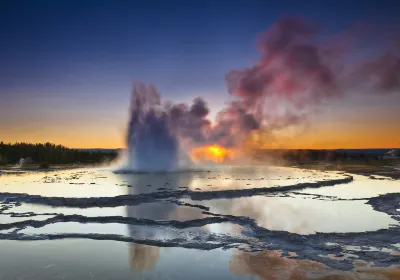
(71, 61)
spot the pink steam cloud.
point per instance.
(295, 70)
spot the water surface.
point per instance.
(229, 223)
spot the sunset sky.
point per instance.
(66, 67)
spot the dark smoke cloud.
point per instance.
(295, 74)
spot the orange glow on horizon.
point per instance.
(356, 139)
(213, 153)
(321, 135)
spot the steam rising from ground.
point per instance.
(294, 76)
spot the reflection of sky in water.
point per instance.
(361, 187)
(90, 212)
(72, 227)
(246, 178)
(304, 216)
(143, 211)
(87, 259)
(66, 183)
(9, 219)
(117, 260)
(297, 215)
(104, 183)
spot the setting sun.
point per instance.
(213, 153)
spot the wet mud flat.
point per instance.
(264, 214)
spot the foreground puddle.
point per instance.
(104, 183)
(361, 187)
(303, 215)
(88, 259)
(64, 183)
(315, 215)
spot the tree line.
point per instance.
(308, 155)
(12, 153)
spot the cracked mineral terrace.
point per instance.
(207, 210)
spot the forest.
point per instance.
(49, 153)
(299, 156)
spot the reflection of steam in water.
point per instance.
(269, 212)
(270, 265)
(275, 213)
(143, 256)
(302, 216)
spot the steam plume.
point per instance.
(295, 74)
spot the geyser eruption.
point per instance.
(168, 137)
(151, 144)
